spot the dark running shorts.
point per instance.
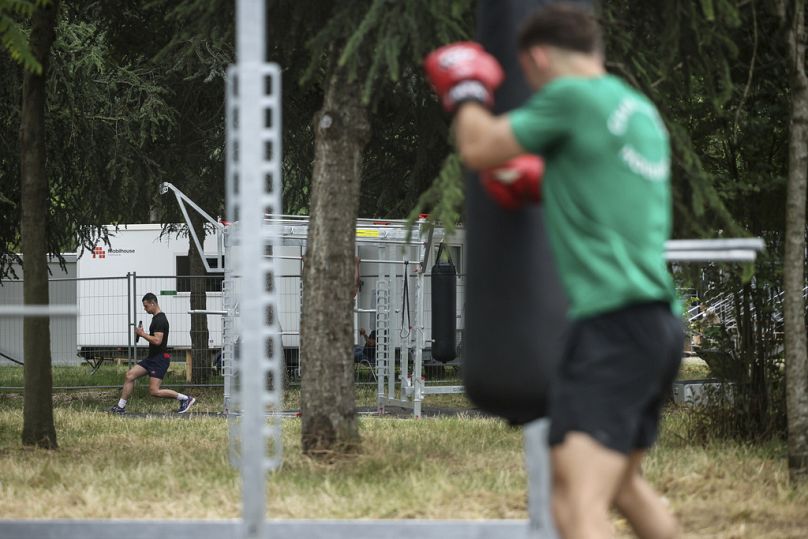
(617, 370)
(156, 365)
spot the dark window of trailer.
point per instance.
(213, 280)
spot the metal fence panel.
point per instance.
(62, 329)
(103, 331)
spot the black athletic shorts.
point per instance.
(157, 365)
(616, 372)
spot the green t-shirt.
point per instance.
(606, 190)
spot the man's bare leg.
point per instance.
(638, 501)
(586, 477)
(129, 382)
(156, 391)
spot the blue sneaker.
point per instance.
(186, 404)
(117, 410)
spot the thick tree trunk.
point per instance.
(201, 366)
(327, 396)
(794, 264)
(38, 428)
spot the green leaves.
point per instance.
(373, 39)
(708, 9)
(443, 200)
(12, 36)
(381, 44)
(700, 62)
(105, 117)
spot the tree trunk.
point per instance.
(794, 264)
(327, 395)
(38, 428)
(200, 353)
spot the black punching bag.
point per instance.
(444, 309)
(515, 306)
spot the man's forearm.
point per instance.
(471, 125)
(482, 139)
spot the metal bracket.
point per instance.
(182, 200)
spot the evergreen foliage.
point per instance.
(13, 37)
(382, 44)
(103, 115)
(718, 81)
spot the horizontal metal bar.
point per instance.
(172, 277)
(754, 244)
(442, 390)
(363, 221)
(202, 311)
(79, 279)
(286, 257)
(399, 262)
(68, 279)
(359, 239)
(47, 311)
(277, 529)
(734, 255)
(400, 403)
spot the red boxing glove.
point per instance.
(461, 72)
(516, 182)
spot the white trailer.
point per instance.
(141, 259)
(112, 279)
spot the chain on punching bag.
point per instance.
(515, 306)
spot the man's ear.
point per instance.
(540, 56)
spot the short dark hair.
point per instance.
(565, 25)
(151, 298)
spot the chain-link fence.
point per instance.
(103, 333)
(102, 336)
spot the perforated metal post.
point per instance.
(254, 189)
(382, 337)
(537, 466)
(230, 322)
(418, 328)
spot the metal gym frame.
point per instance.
(409, 388)
(254, 89)
(384, 234)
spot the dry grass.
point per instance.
(727, 489)
(166, 466)
(112, 467)
(463, 467)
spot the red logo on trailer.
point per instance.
(98, 252)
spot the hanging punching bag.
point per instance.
(515, 306)
(444, 307)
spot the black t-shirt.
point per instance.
(159, 324)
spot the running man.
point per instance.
(157, 362)
(605, 187)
